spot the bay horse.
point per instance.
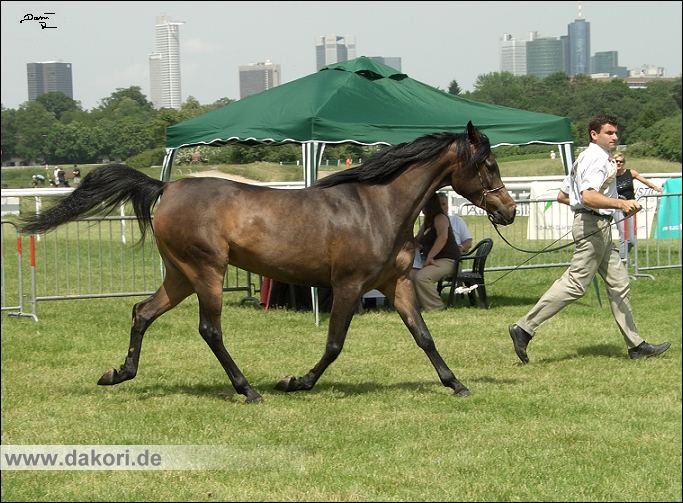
(351, 231)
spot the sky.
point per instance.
(108, 43)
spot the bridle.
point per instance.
(482, 204)
(485, 192)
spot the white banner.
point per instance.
(549, 219)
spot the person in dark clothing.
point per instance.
(627, 227)
(439, 250)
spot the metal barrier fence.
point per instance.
(101, 257)
(91, 258)
(650, 251)
(13, 298)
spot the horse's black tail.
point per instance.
(101, 191)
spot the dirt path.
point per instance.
(219, 174)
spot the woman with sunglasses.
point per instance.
(627, 227)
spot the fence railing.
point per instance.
(89, 258)
(102, 257)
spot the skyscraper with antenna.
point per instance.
(578, 51)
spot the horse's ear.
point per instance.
(473, 133)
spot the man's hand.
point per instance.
(629, 206)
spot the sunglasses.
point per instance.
(619, 162)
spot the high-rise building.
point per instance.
(607, 62)
(334, 49)
(164, 64)
(579, 47)
(392, 62)
(49, 76)
(257, 77)
(513, 54)
(544, 56)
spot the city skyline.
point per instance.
(454, 43)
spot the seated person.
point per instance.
(462, 234)
(38, 179)
(439, 251)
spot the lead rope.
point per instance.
(547, 249)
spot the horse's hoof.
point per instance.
(286, 384)
(107, 378)
(463, 392)
(254, 399)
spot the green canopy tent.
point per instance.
(363, 102)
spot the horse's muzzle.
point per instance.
(504, 215)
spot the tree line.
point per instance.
(54, 128)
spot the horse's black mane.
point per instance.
(386, 165)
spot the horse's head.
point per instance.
(478, 179)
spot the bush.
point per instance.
(148, 158)
(662, 140)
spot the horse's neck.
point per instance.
(411, 189)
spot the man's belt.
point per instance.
(594, 213)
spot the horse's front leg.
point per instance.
(405, 302)
(344, 305)
(210, 297)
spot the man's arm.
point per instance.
(597, 200)
(563, 197)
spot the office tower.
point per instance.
(49, 76)
(544, 56)
(607, 62)
(579, 47)
(257, 77)
(164, 64)
(513, 54)
(392, 62)
(334, 49)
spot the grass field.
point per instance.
(581, 422)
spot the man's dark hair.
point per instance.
(598, 121)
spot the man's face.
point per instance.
(607, 137)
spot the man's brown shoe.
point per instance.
(520, 339)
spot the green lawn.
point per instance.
(581, 422)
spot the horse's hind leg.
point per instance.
(174, 289)
(210, 296)
(405, 302)
(343, 307)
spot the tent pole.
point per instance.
(312, 154)
(167, 164)
(566, 154)
(165, 176)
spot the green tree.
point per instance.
(58, 103)
(133, 92)
(454, 88)
(73, 143)
(126, 137)
(33, 124)
(8, 133)
(221, 102)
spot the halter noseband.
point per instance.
(485, 191)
